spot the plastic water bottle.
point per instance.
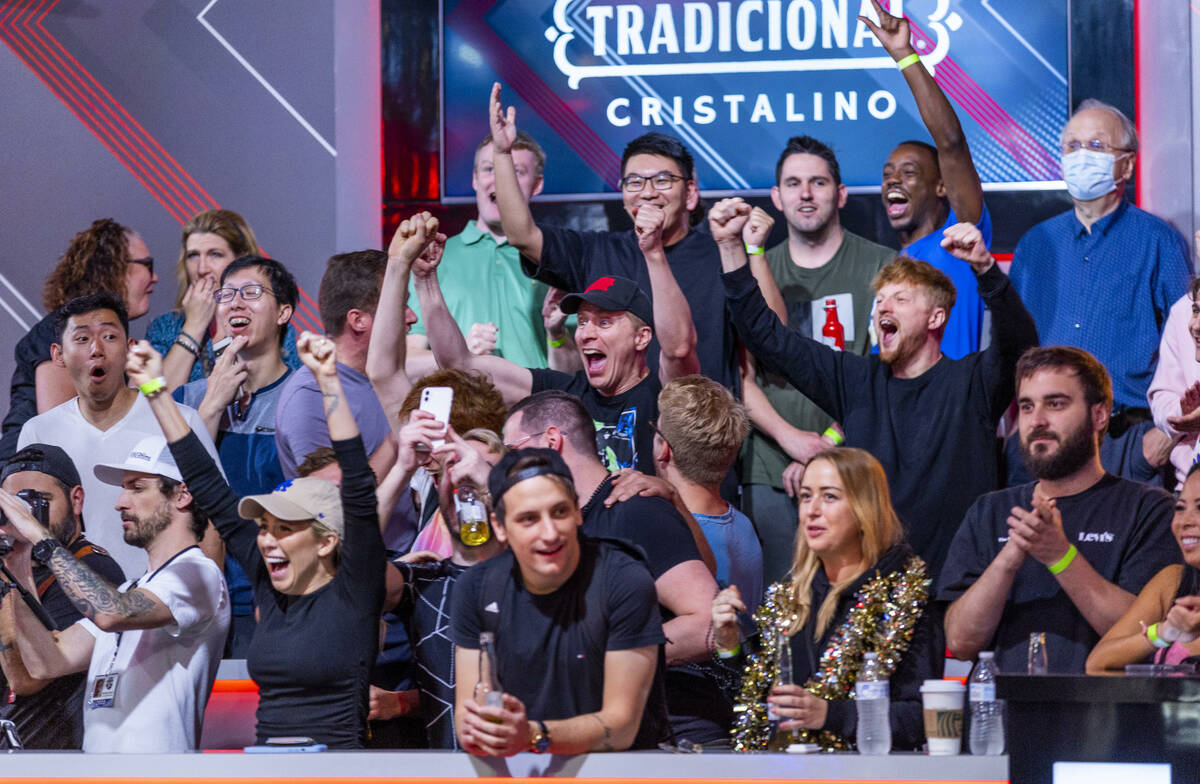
(779, 740)
(871, 697)
(987, 712)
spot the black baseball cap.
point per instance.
(499, 481)
(45, 459)
(613, 293)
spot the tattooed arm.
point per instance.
(100, 601)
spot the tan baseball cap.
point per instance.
(306, 498)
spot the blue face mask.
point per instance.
(1089, 174)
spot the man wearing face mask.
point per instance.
(1103, 276)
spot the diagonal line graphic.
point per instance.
(262, 80)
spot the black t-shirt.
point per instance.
(31, 351)
(653, 524)
(1122, 528)
(311, 655)
(935, 434)
(572, 260)
(53, 717)
(623, 435)
(425, 608)
(550, 648)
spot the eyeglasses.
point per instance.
(147, 262)
(517, 444)
(654, 426)
(249, 292)
(1095, 145)
(661, 181)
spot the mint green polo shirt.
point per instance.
(482, 282)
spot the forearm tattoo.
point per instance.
(606, 744)
(91, 594)
(331, 402)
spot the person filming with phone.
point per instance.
(314, 556)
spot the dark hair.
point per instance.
(279, 280)
(351, 281)
(1193, 289)
(534, 461)
(555, 408)
(523, 142)
(168, 486)
(80, 305)
(33, 454)
(316, 460)
(94, 261)
(654, 143)
(1097, 386)
(927, 147)
(477, 402)
(807, 145)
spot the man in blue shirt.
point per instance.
(927, 189)
(1103, 275)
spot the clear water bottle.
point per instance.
(779, 740)
(871, 697)
(987, 712)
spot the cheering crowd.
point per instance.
(666, 449)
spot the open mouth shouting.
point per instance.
(277, 566)
(238, 325)
(897, 202)
(594, 361)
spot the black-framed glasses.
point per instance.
(522, 440)
(249, 292)
(147, 262)
(1094, 145)
(654, 426)
(661, 181)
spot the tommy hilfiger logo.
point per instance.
(1096, 536)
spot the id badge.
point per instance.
(103, 690)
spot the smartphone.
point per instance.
(437, 400)
(220, 346)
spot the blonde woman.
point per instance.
(854, 587)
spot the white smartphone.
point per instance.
(220, 346)
(437, 400)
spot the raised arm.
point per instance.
(754, 236)
(319, 355)
(561, 350)
(515, 218)
(954, 157)
(673, 324)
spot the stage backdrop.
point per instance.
(735, 78)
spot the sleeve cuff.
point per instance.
(992, 281)
(740, 282)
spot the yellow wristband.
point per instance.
(904, 62)
(754, 250)
(1155, 640)
(556, 343)
(153, 386)
(1059, 566)
(833, 435)
(729, 654)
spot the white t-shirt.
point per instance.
(166, 674)
(65, 426)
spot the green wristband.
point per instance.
(153, 386)
(833, 435)
(729, 654)
(904, 62)
(556, 343)
(1059, 566)
(1155, 640)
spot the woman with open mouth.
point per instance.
(314, 556)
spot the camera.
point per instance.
(39, 506)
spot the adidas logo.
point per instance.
(492, 607)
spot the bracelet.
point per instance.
(556, 343)
(188, 343)
(729, 654)
(1062, 563)
(153, 387)
(1155, 640)
(904, 62)
(833, 435)
(754, 250)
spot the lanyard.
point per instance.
(131, 587)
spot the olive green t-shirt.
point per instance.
(846, 279)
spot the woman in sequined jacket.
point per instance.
(854, 587)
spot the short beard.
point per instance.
(1073, 453)
(64, 530)
(144, 531)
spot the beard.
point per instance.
(145, 529)
(64, 530)
(1073, 453)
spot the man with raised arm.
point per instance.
(930, 420)
(659, 191)
(151, 647)
(616, 324)
(1067, 553)
(575, 623)
(929, 188)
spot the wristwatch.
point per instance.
(540, 742)
(43, 551)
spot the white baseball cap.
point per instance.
(148, 456)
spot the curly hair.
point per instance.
(95, 261)
(477, 403)
(227, 225)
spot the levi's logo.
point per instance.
(602, 284)
(1096, 536)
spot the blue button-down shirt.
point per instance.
(1107, 291)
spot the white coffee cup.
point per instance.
(943, 710)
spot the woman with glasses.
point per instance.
(104, 257)
(185, 336)
(255, 298)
